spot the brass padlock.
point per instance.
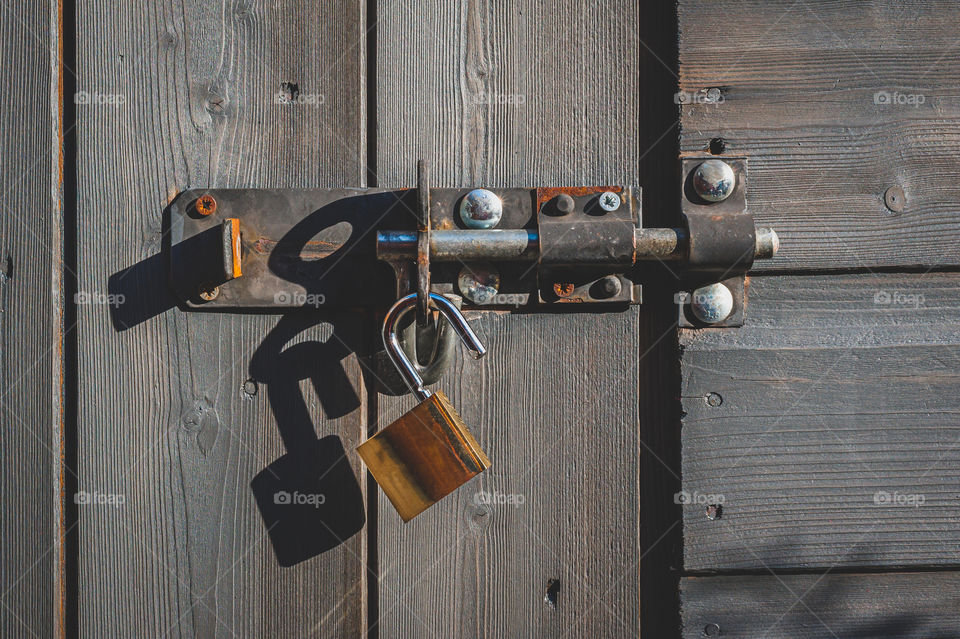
(427, 453)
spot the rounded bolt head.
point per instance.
(479, 283)
(608, 287)
(714, 399)
(206, 205)
(714, 180)
(208, 292)
(712, 303)
(609, 201)
(481, 209)
(565, 204)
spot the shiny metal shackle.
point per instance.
(391, 342)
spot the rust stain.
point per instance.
(546, 194)
(235, 243)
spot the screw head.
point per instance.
(712, 303)
(208, 292)
(565, 204)
(206, 205)
(714, 180)
(609, 201)
(479, 283)
(481, 209)
(563, 289)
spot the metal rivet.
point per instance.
(250, 387)
(208, 292)
(714, 95)
(712, 303)
(714, 399)
(609, 201)
(711, 630)
(479, 283)
(565, 204)
(714, 180)
(714, 512)
(206, 205)
(481, 209)
(895, 199)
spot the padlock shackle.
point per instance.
(391, 341)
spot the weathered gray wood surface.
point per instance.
(31, 576)
(835, 442)
(832, 606)
(520, 94)
(164, 420)
(820, 96)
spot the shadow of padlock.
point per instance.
(427, 453)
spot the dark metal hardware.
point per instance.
(333, 248)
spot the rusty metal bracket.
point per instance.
(498, 249)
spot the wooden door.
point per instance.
(140, 436)
(829, 421)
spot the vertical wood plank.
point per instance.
(30, 332)
(180, 411)
(499, 94)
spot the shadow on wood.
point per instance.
(310, 499)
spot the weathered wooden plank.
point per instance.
(31, 575)
(833, 103)
(520, 95)
(827, 426)
(171, 417)
(896, 606)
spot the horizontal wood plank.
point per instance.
(827, 427)
(822, 606)
(833, 103)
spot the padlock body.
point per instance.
(423, 456)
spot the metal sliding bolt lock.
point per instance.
(427, 453)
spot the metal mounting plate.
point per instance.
(300, 248)
(316, 248)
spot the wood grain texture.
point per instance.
(188, 97)
(520, 94)
(805, 90)
(847, 606)
(30, 329)
(827, 426)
